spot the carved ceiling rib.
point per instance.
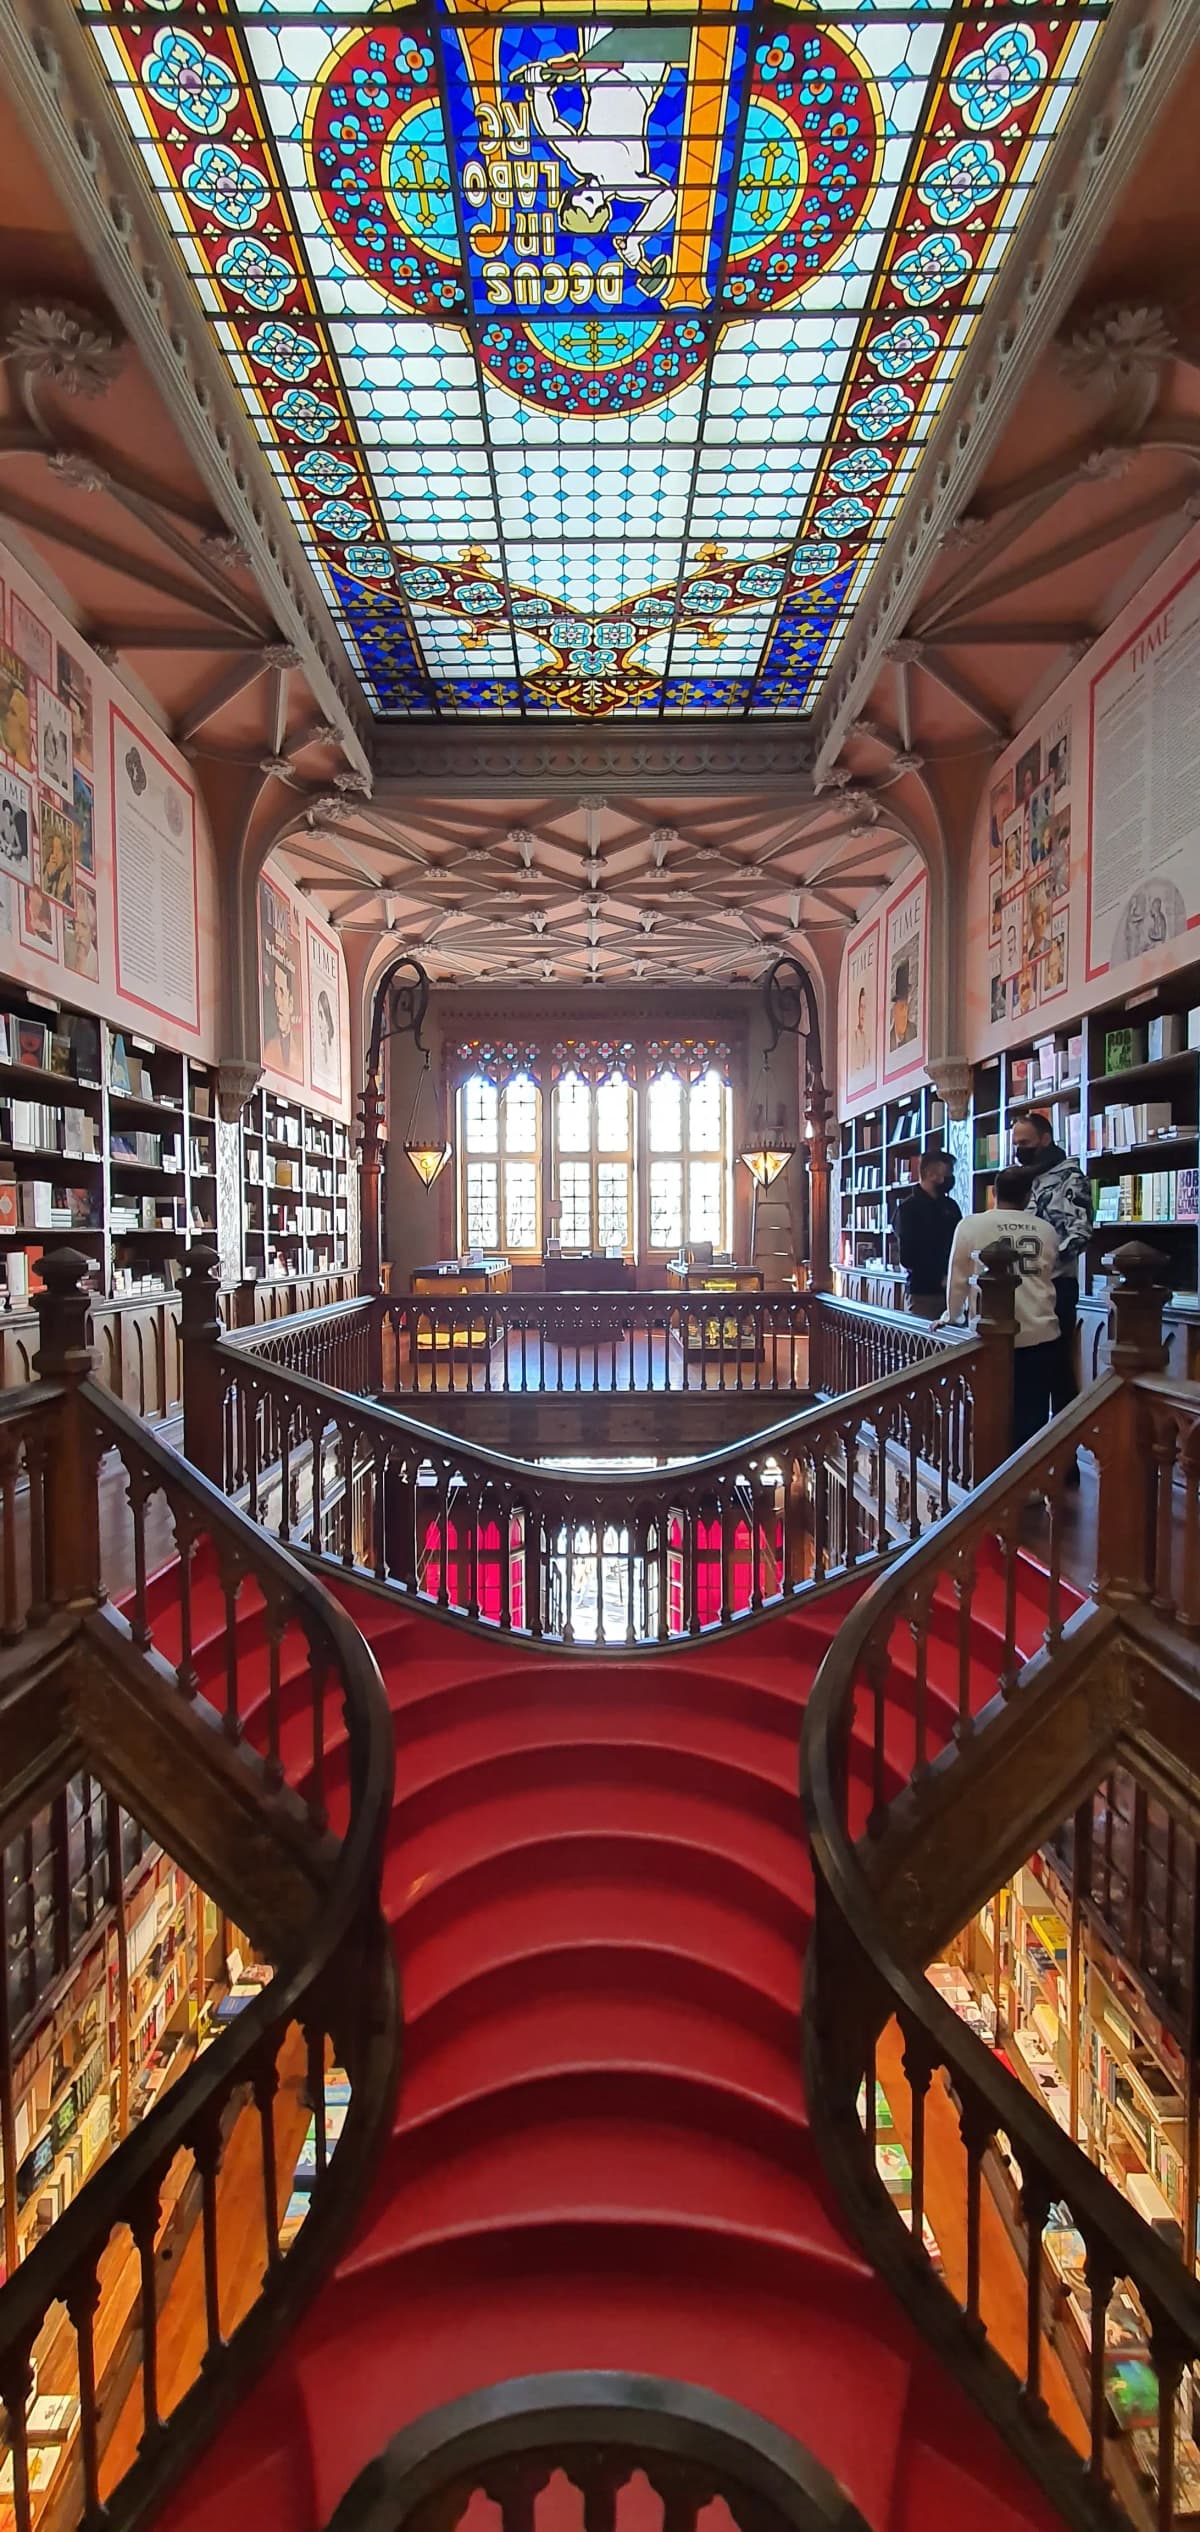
(1046, 565)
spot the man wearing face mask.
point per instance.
(1061, 1198)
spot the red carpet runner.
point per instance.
(600, 1898)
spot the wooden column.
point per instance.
(1128, 1470)
(818, 1105)
(65, 1354)
(200, 1332)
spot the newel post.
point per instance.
(65, 1354)
(996, 1328)
(1130, 1473)
(1136, 1303)
(201, 1330)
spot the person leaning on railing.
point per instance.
(1035, 1248)
(926, 1222)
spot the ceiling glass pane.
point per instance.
(590, 351)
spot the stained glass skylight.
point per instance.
(593, 351)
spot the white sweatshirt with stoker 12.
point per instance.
(1036, 1251)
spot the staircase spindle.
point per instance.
(266, 2085)
(144, 2221)
(964, 1584)
(1036, 2197)
(1101, 2279)
(975, 2128)
(16, 2391)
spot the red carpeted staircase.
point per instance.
(600, 1897)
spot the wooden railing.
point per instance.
(594, 1556)
(209, 1709)
(511, 1343)
(921, 1805)
(403, 1346)
(602, 2432)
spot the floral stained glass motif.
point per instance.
(593, 354)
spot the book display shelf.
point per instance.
(1043, 1974)
(1122, 1090)
(107, 1143)
(876, 1166)
(295, 1189)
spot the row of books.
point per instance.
(34, 1125)
(1150, 1041)
(150, 1151)
(337, 2106)
(36, 1204)
(1050, 1068)
(1164, 1196)
(72, 1048)
(1116, 1128)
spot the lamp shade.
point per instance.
(766, 1160)
(428, 1159)
(425, 1144)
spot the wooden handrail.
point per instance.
(866, 1961)
(598, 2429)
(336, 1988)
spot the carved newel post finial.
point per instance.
(200, 1328)
(73, 1501)
(997, 1290)
(1137, 1300)
(64, 1308)
(995, 1328)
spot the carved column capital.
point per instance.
(236, 1083)
(951, 1078)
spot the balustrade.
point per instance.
(922, 1798)
(600, 1557)
(211, 1703)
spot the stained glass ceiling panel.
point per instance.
(593, 352)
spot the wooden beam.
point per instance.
(79, 538)
(1025, 635)
(223, 690)
(1056, 558)
(936, 666)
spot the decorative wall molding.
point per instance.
(679, 757)
(70, 347)
(1142, 54)
(76, 127)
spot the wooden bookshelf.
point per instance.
(876, 1166)
(107, 1143)
(1122, 1090)
(296, 1189)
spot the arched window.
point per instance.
(688, 1137)
(499, 1188)
(593, 1163)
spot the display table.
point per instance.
(588, 1274)
(450, 1280)
(722, 1331)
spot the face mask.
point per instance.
(1030, 1156)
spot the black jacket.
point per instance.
(925, 1228)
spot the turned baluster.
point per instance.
(1101, 2274)
(1036, 2200)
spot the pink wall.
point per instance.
(883, 996)
(1085, 863)
(107, 880)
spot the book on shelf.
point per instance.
(1121, 1127)
(1166, 1036)
(201, 1094)
(1123, 1048)
(118, 1068)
